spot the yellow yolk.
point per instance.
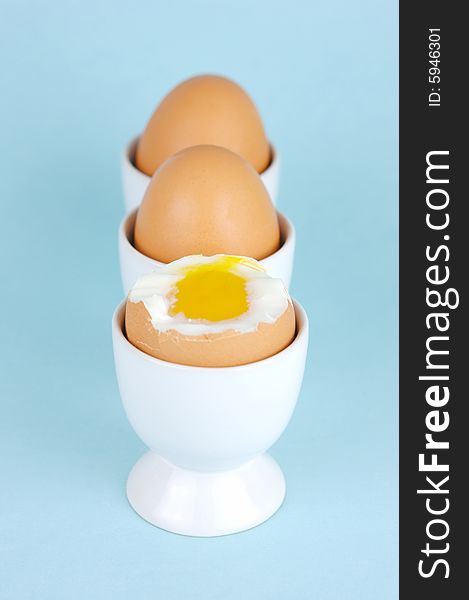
(212, 291)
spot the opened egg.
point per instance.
(210, 311)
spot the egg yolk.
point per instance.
(211, 291)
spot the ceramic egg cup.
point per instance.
(207, 472)
(134, 182)
(134, 264)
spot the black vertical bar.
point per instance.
(435, 123)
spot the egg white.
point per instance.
(267, 297)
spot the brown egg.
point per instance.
(206, 200)
(207, 109)
(226, 349)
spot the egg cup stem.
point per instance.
(205, 503)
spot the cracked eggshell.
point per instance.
(226, 349)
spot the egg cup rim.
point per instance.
(128, 155)
(302, 331)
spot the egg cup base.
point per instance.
(205, 503)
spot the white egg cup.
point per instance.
(134, 264)
(134, 182)
(208, 429)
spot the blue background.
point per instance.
(78, 79)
